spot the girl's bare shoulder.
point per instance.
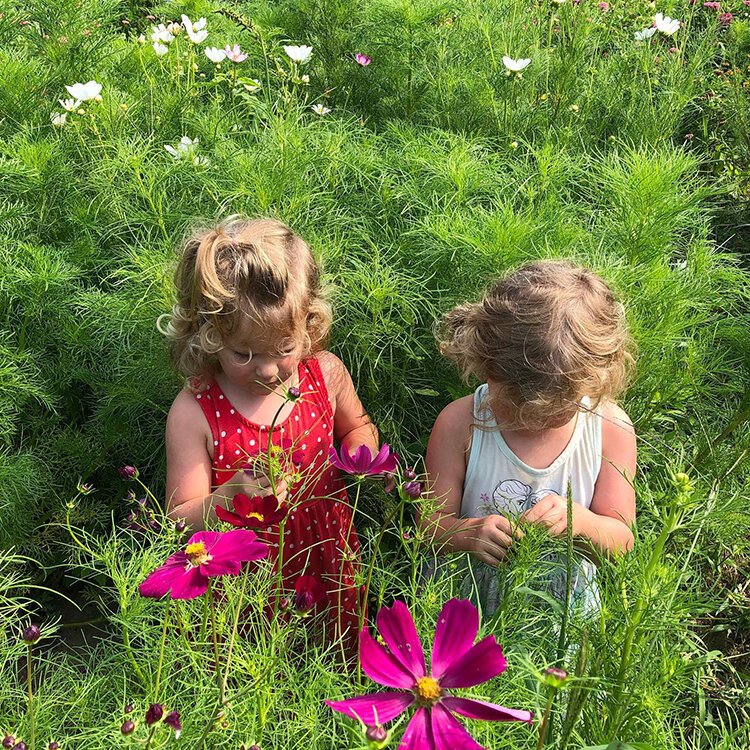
(455, 420)
(186, 414)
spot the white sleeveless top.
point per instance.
(497, 481)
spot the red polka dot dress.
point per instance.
(319, 536)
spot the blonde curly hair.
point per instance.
(544, 336)
(256, 270)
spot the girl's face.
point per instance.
(257, 360)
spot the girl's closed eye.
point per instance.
(241, 356)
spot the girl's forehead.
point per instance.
(257, 336)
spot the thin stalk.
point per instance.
(344, 555)
(161, 651)
(29, 686)
(546, 719)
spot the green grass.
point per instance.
(433, 173)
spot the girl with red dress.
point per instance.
(248, 331)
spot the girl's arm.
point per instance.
(489, 537)
(189, 493)
(351, 424)
(607, 522)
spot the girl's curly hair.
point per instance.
(544, 336)
(252, 269)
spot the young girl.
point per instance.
(550, 343)
(248, 332)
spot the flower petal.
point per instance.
(336, 461)
(375, 708)
(476, 709)
(239, 545)
(397, 628)
(158, 583)
(191, 584)
(385, 461)
(381, 666)
(457, 628)
(448, 733)
(207, 538)
(361, 460)
(418, 734)
(480, 663)
(221, 566)
(228, 516)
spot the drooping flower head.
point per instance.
(361, 463)
(362, 59)
(208, 554)
(457, 662)
(253, 512)
(172, 719)
(154, 713)
(308, 591)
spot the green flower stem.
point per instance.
(672, 522)
(30, 689)
(161, 651)
(345, 541)
(545, 719)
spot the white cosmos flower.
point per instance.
(161, 34)
(69, 105)
(515, 65)
(58, 118)
(666, 25)
(160, 49)
(299, 54)
(320, 109)
(84, 91)
(186, 149)
(251, 85)
(641, 36)
(214, 54)
(174, 28)
(196, 31)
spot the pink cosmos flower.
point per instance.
(252, 512)
(725, 18)
(457, 662)
(234, 54)
(362, 59)
(712, 6)
(208, 554)
(603, 7)
(361, 463)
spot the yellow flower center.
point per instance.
(259, 516)
(428, 690)
(197, 554)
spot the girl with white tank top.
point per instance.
(550, 344)
(498, 481)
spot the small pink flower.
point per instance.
(603, 7)
(362, 463)
(725, 19)
(746, 2)
(712, 6)
(362, 59)
(208, 554)
(672, 50)
(234, 54)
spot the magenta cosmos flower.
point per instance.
(208, 554)
(457, 662)
(362, 59)
(361, 463)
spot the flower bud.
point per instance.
(180, 526)
(154, 713)
(410, 474)
(412, 489)
(8, 741)
(128, 472)
(129, 708)
(555, 677)
(20, 745)
(293, 393)
(172, 719)
(127, 727)
(376, 734)
(53, 746)
(32, 634)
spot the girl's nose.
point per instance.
(267, 371)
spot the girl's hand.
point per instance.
(252, 485)
(490, 539)
(552, 511)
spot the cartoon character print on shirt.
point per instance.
(511, 496)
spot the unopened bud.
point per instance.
(128, 727)
(32, 634)
(376, 734)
